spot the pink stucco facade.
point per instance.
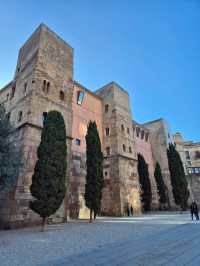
(90, 109)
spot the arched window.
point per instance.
(44, 86)
(20, 116)
(12, 92)
(48, 87)
(62, 95)
(124, 148)
(122, 128)
(25, 87)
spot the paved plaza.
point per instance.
(154, 239)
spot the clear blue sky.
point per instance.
(151, 48)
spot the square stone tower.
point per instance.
(42, 82)
(120, 164)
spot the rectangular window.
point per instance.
(187, 155)
(106, 108)
(146, 137)
(107, 131)
(137, 131)
(80, 97)
(142, 134)
(78, 142)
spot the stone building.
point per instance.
(190, 155)
(44, 81)
(189, 152)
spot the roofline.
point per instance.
(6, 86)
(111, 83)
(44, 26)
(154, 121)
(87, 90)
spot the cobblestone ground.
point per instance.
(154, 239)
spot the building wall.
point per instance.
(89, 109)
(160, 137)
(190, 154)
(143, 146)
(44, 57)
(120, 165)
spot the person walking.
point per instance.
(194, 210)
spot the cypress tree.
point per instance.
(94, 175)
(145, 183)
(161, 188)
(48, 181)
(178, 179)
(10, 156)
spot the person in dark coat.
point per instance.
(131, 210)
(128, 211)
(194, 210)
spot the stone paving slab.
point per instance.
(153, 239)
(176, 246)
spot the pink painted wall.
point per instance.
(91, 109)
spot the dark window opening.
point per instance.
(124, 147)
(146, 137)
(62, 95)
(48, 87)
(78, 142)
(33, 81)
(106, 173)
(106, 108)
(137, 131)
(108, 151)
(107, 131)
(142, 134)
(44, 86)
(7, 97)
(8, 115)
(20, 116)
(187, 155)
(128, 130)
(122, 128)
(197, 155)
(12, 92)
(44, 118)
(80, 97)
(130, 149)
(25, 87)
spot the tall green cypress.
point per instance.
(161, 188)
(178, 179)
(49, 179)
(94, 176)
(145, 183)
(10, 156)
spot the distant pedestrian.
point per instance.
(128, 211)
(194, 210)
(131, 210)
